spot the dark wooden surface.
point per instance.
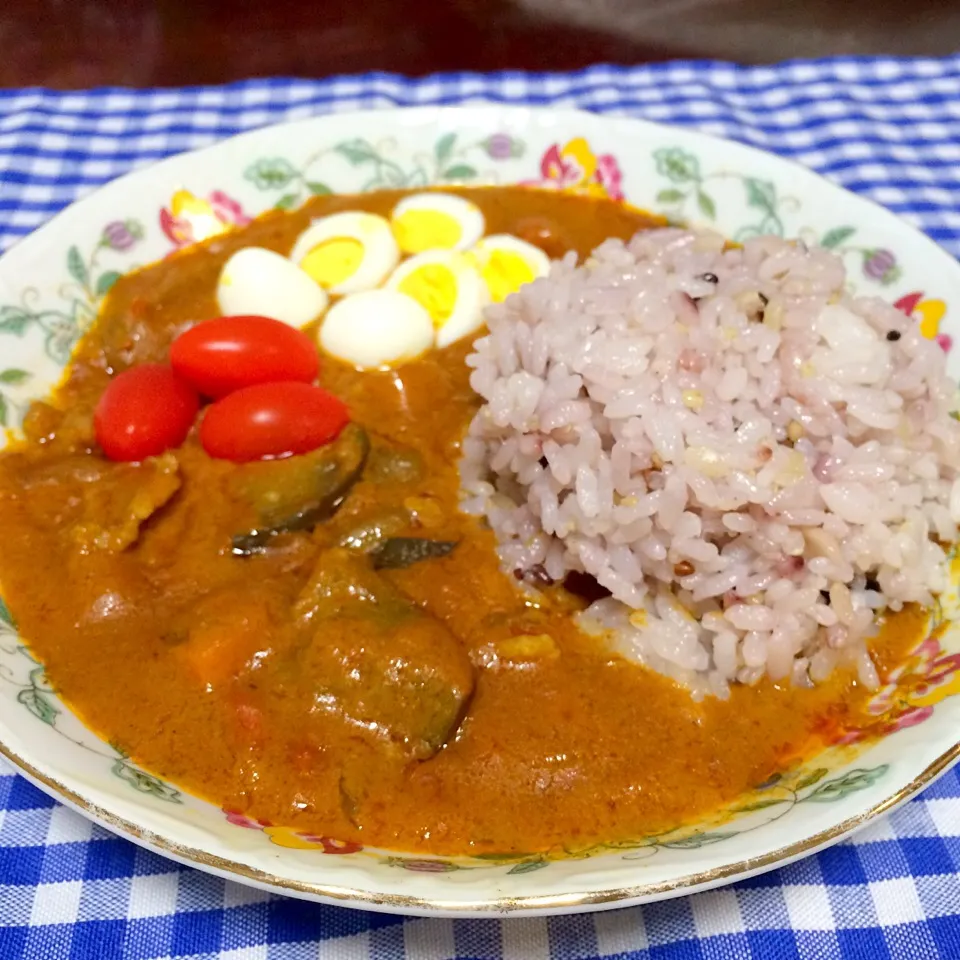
(81, 43)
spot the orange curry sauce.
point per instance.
(203, 666)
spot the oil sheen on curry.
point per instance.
(372, 674)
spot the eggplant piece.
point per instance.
(371, 532)
(398, 553)
(395, 464)
(411, 686)
(299, 492)
(378, 661)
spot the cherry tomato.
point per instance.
(144, 411)
(229, 353)
(272, 420)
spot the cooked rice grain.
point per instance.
(727, 442)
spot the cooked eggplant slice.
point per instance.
(299, 492)
(399, 552)
(410, 686)
(371, 531)
(394, 464)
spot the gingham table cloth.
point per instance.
(888, 129)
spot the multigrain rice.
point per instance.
(750, 461)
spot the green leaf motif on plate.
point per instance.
(15, 320)
(422, 866)
(707, 207)
(459, 171)
(271, 173)
(637, 844)
(145, 782)
(677, 165)
(444, 147)
(105, 282)
(13, 376)
(6, 617)
(835, 237)
(287, 202)
(671, 196)
(37, 702)
(357, 151)
(318, 189)
(697, 840)
(761, 193)
(809, 779)
(849, 782)
(76, 266)
(528, 866)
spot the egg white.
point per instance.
(461, 313)
(259, 281)
(379, 256)
(466, 215)
(484, 254)
(376, 329)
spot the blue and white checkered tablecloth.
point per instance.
(889, 129)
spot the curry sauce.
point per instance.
(413, 703)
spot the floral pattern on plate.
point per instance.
(190, 219)
(451, 161)
(19, 668)
(293, 839)
(574, 167)
(928, 312)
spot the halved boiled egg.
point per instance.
(347, 252)
(506, 263)
(436, 221)
(447, 285)
(259, 281)
(375, 329)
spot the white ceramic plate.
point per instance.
(50, 287)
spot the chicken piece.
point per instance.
(117, 499)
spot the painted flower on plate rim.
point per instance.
(576, 168)
(191, 219)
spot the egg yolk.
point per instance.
(419, 230)
(505, 272)
(434, 287)
(333, 261)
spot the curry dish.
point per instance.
(378, 678)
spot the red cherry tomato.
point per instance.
(144, 411)
(229, 353)
(272, 420)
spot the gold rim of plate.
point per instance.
(401, 902)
